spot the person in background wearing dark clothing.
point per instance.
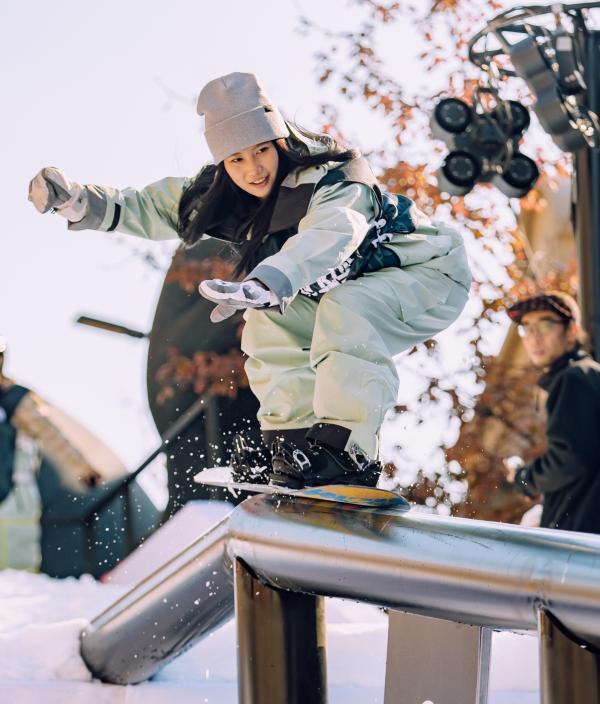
(26, 412)
(24, 419)
(568, 473)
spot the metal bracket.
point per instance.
(569, 668)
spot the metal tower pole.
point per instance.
(586, 202)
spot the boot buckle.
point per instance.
(360, 458)
(301, 460)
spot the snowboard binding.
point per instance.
(248, 464)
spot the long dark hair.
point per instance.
(212, 196)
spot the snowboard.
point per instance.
(354, 494)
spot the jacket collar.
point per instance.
(306, 174)
(559, 364)
(292, 202)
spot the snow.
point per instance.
(40, 622)
(41, 618)
(47, 651)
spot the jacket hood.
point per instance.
(299, 140)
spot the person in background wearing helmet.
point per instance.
(335, 277)
(568, 473)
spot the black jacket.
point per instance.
(568, 473)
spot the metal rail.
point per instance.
(468, 571)
(476, 572)
(163, 615)
(118, 489)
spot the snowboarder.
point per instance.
(335, 276)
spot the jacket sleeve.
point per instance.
(338, 218)
(151, 212)
(572, 434)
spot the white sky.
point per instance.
(81, 91)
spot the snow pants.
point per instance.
(331, 361)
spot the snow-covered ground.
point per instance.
(41, 618)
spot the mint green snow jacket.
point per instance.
(337, 221)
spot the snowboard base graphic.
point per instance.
(354, 494)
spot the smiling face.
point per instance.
(254, 169)
(546, 336)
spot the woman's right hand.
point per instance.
(50, 189)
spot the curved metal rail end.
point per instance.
(163, 615)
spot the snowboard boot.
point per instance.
(321, 461)
(249, 464)
(295, 437)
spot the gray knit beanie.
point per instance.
(238, 115)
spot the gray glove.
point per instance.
(50, 189)
(232, 296)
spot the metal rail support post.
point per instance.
(586, 205)
(433, 660)
(281, 643)
(569, 669)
